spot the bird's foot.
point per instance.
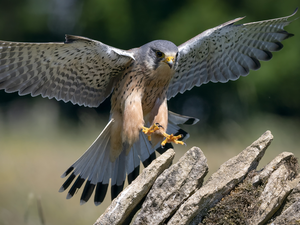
(149, 131)
(171, 138)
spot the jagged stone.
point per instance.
(122, 206)
(221, 182)
(279, 176)
(283, 157)
(173, 187)
(235, 194)
(275, 192)
(247, 199)
(291, 215)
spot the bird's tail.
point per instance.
(95, 166)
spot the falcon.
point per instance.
(140, 81)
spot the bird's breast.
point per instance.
(154, 89)
(144, 84)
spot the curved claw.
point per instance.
(149, 131)
(171, 138)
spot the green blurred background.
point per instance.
(40, 138)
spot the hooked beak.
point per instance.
(170, 61)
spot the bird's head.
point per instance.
(160, 54)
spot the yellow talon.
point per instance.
(169, 138)
(150, 130)
(172, 138)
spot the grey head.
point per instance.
(154, 53)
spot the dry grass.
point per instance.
(35, 152)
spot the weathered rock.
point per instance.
(129, 198)
(221, 182)
(247, 202)
(295, 194)
(237, 206)
(273, 195)
(278, 176)
(291, 215)
(282, 158)
(173, 187)
(235, 194)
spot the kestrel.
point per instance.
(141, 80)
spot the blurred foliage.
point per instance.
(127, 24)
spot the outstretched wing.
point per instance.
(227, 52)
(79, 70)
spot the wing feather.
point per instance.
(79, 70)
(227, 52)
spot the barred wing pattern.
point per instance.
(80, 70)
(227, 52)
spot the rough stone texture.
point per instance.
(131, 196)
(237, 206)
(250, 202)
(295, 195)
(173, 187)
(273, 195)
(221, 182)
(282, 158)
(291, 215)
(235, 194)
(279, 176)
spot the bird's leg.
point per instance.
(157, 131)
(149, 131)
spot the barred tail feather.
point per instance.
(180, 119)
(91, 166)
(145, 150)
(118, 175)
(95, 167)
(133, 164)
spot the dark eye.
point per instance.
(159, 54)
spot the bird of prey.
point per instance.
(140, 81)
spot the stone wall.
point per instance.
(235, 194)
